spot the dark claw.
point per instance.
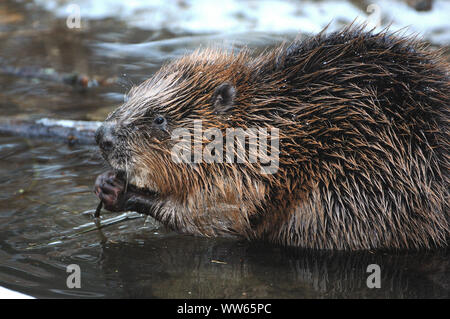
(110, 190)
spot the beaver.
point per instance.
(363, 144)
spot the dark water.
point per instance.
(46, 202)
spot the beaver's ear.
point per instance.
(223, 98)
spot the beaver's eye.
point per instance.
(159, 120)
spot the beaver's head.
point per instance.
(137, 137)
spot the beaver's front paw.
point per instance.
(110, 190)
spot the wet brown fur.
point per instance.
(364, 143)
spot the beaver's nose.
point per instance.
(105, 138)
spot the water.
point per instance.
(46, 199)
